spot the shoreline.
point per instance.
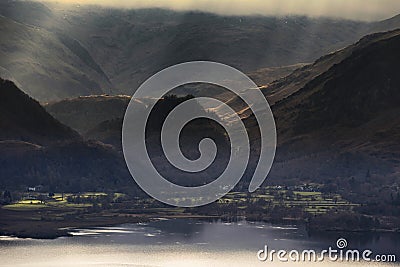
(15, 223)
(20, 224)
(31, 224)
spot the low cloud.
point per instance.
(349, 9)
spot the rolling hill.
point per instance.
(84, 113)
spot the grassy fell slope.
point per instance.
(45, 67)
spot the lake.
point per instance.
(185, 242)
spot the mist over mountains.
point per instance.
(57, 51)
(38, 59)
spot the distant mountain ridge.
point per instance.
(48, 65)
(85, 113)
(90, 50)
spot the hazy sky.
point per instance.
(352, 9)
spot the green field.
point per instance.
(58, 201)
(312, 202)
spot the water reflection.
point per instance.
(181, 243)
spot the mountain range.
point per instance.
(337, 119)
(55, 51)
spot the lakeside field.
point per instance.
(43, 215)
(312, 202)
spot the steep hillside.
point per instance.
(351, 94)
(386, 25)
(131, 45)
(48, 65)
(128, 46)
(341, 127)
(82, 50)
(24, 119)
(37, 149)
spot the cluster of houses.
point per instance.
(38, 193)
(300, 188)
(37, 188)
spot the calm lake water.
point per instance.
(184, 242)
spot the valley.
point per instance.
(333, 87)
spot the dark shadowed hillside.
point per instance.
(336, 118)
(103, 117)
(341, 127)
(359, 92)
(85, 113)
(91, 115)
(282, 87)
(24, 119)
(37, 149)
(73, 166)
